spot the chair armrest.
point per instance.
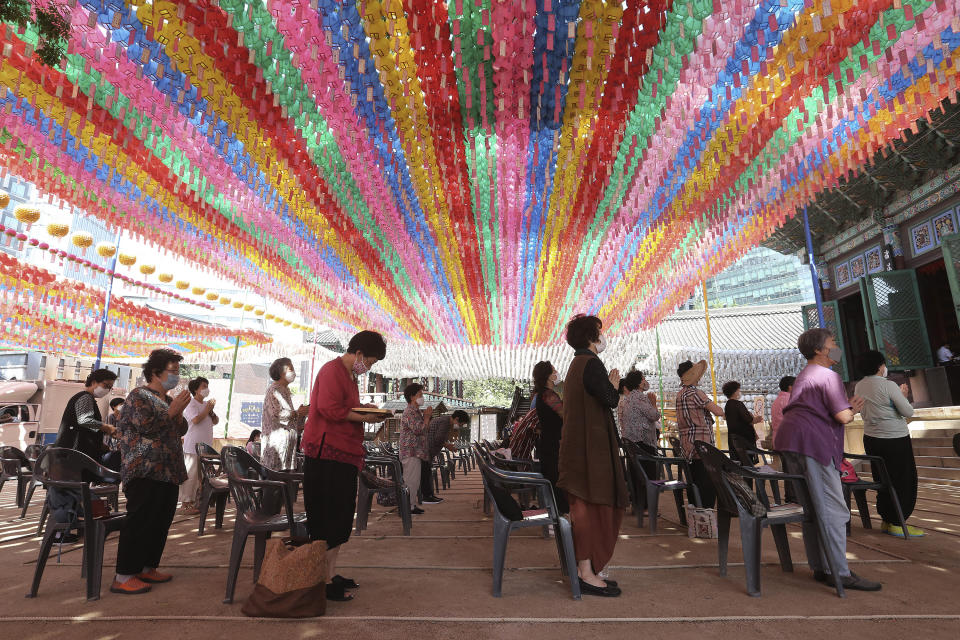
(862, 456)
(279, 484)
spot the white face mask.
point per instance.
(883, 371)
(203, 393)
(419, 401)
(100, 392)
(602, 345)
(290, 376)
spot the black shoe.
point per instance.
(416, 511)
(336, 593)
(606, 592)
(432, 500)
(66, 538)
(348, 583)
(611, 583)
(855, 582)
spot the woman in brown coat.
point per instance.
(590, 468)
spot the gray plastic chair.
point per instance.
(645, 487)
(214, 486)
(386, 466)
(14, 465)
(880, 481)
(69, 469)
(729, 505)
(264, 506)
(507, 516)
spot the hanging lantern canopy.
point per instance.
(165, 278)
(128, 260)
(106, 249)
(145, 269)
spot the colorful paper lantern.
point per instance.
(106, 249)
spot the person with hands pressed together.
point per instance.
(82, 426)
(333, 451)
(280, 422)
(810, 439)
(200, 419)
(695, 414)
(886, 434)
(150, 427)
(741, 433)
(589, 468)
(413, 440)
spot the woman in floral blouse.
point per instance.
(150, 426)
(280, 421)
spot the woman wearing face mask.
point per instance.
(200, 419)
(82, 426)
(333, 451)
(590, 469)
(638, 417)
(280, 422)
(150, 427)
(549, 407)
(810, 439)
(886, 434)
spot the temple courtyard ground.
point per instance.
(436, 583)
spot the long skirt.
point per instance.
(596, 528)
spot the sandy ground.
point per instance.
(436, 583)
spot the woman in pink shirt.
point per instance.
(776, 411)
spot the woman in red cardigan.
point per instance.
(333, 451)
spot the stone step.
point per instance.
(944, 473)
(935, 461)
(939, 452)
(927, 441)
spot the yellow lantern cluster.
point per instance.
(106, 250)
(165, 278)
(26, 215)
(182, 285)
(57, 229)
(128, 260)
(145, 269)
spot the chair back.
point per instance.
(33, 451)
(251, 501)
(500, 483)
(716, 463)
(70, 469)
(203, 449)
(14, 460)
(676, 446)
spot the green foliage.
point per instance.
(491, 392)
(51, 23)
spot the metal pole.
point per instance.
(713, 375)
(106, 306)
(659, 368)
(813, 269)
(233, 371)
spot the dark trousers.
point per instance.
(426, 479)
(701, 478)
(151, 505)
(330, 499)
(897, 454)
(549, 453)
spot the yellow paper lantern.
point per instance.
(4, 199)
(57, 230)
(198, 291)
(128, 260)
(237, 304)
(259, 312)
(287, 323)
(145, 269)
(82, 239)
(213, 295)
(182, 284)
(224, 300)
(269, 316)
(165, 277)
(248, 307)
(106, 250)
(26, 215)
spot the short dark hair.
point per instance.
(100, 375)
(253, 435)
(195, 384)
(583, 331)
(370, 343)
(541, 374)
(683, 367)
(116, 402)
(411, 389)
(811, 341)
(786, 382)
(461, 416)
(276, 369)
(633, 380)
(730, 388)
(158, 361)
(869, 362)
